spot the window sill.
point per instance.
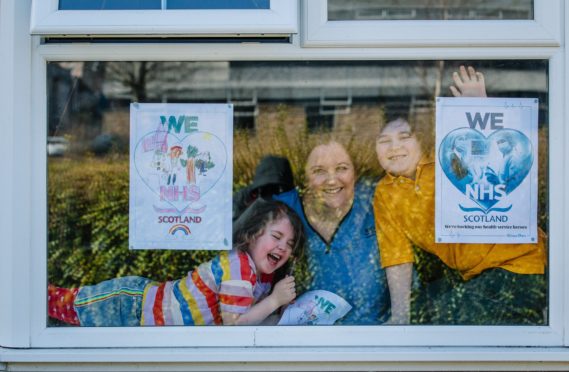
(278, 355)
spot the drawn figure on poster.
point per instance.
(195, 159)
(203, 163)
(181, 172)
(158, 167)
(175, 164)
(303, 313)
(190, 165)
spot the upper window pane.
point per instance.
(218, 4)
(109, 4)
(350, 10)
(159, 4)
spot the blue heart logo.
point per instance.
(180, 170)
(486, 169)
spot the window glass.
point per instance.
(158, 4)
(305, 133)
(109, 5)
(342, 10)
(218, 4)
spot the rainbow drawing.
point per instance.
(179, 227)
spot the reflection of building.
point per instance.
(335, 96)
(429, 9)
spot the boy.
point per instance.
(503, 283)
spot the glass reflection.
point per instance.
(109, 4)
(351, 10)
(158, 4)
(218, 4)
(316, 122)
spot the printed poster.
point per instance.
(181, 175)
(486, 170)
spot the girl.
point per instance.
(233, 289)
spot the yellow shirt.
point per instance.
(404, 211)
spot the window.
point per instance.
(116, 5)
(433, 10)
(150, 17)
(158, 4)
(386, 23)
(88, 114)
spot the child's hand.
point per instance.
(284, 291)
(468, 83)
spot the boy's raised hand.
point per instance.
(468, 83)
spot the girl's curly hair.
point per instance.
(252, 223)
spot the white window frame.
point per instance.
(326, 336)
(280, 19)
(544, 30)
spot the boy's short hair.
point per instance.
(421, 124)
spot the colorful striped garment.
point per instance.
(228, 283)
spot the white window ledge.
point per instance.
(281, 355)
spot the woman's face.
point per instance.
(331, 176)
(398, 149)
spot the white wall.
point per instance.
(15, 78)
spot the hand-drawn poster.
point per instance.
(317, 307)
(181, 174)
(486, 170)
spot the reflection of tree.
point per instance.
(134, 76)
(76, 101)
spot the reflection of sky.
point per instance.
(157, 4)
(428, 10)
(109, 4)
(219, 4)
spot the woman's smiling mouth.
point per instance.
(334, 190)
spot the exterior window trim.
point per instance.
(325, 336)
(544, 30)
(47, 19)
(564, 95)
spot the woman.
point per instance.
(342, 250)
